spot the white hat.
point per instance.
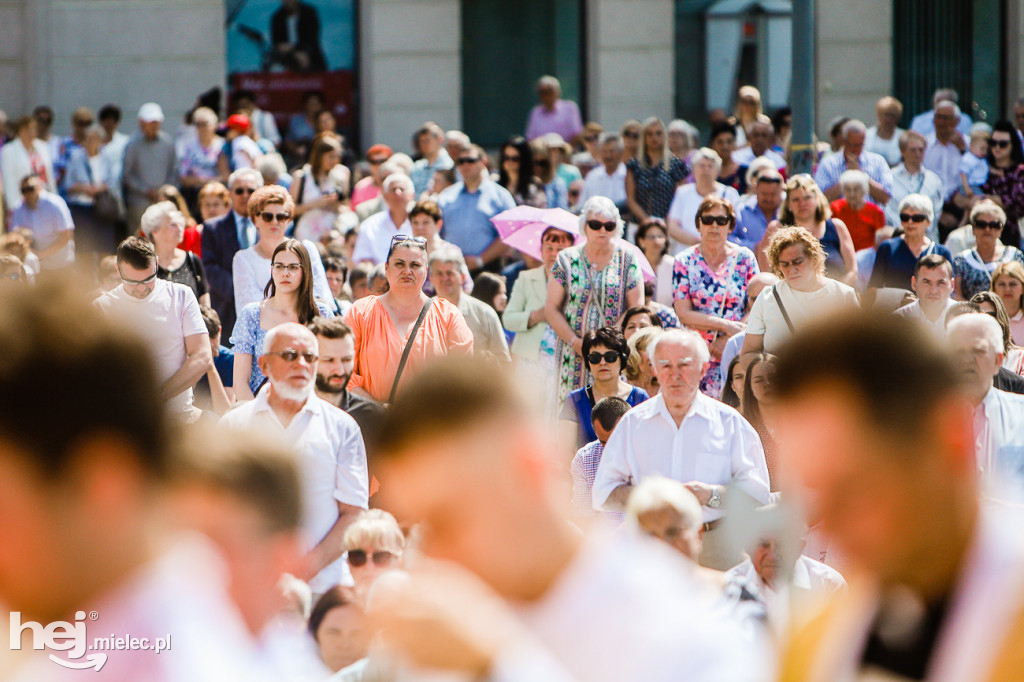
(151, 111)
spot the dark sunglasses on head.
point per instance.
(988, 224)
(913, 218)
(271, 217)
(713, 219)
(1000, 143)
(597, 225)
(609, 356)
(242, 190)
(466, 160)
(291, 355)
(376, 162)
(358, 557)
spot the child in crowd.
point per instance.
(606, 414)
(974, 163)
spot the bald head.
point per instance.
(759, 283)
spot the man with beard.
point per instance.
(335, 483)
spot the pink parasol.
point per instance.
(521, 227)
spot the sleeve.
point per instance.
(460, 338)
(354, 319)
(559, 272)
(1018, 256)
(881, 268)
(200, 273)
(363, 249)
(352, 482)
(192, 319)
(243, 336)
(516, 317)
(171, 172)
(581, 500)
(65, 217)
(577, 120)
(220, 279)
(130, 171)
(497, 345)
(959, 266)
(749, 470)
(885, 177)
(634, 276)
(675, 209)
(680, 279)
(824, 175)
(614, 469)
(185, 162)
(321, 289)
(569, 412)
(756, 319)
(247, 289)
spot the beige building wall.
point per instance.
(67, 53)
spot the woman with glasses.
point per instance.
(1006, 178)
(973, 268)
(270, 209)
(992, 305)
(320, 189)
(1008, 283)
(605, 353)
(706, 165)
(515, 173)
(373, 545)
(163, 224)
(710, 284)
(556, 192)
(591, 286)
(653, 176)
(404, 316)
(289, 298)
(895, 258)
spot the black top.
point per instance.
(191, 274)
(902, 641)
(1005, 380)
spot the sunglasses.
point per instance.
(83, 123)
(608, 356)
(590, 138)
(597, 225)
(632, 135)
(516, 159)
(269, 217)
(358, 557)
(466, 160)
(28, 189)
(291, 355)
(988, 224)
(1000, 143)
(913, 218)
(770, 181)
(714, 219)
(138, 282)
(242, 190)
(399, 238)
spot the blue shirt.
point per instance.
(975, 169)
(751, 225)
(467, 215)
(225, 364)
(894, 263)
(578, 402)
(875, 165)
(423, 171)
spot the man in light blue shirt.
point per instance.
(752, 221)
(925, 123)
(853, 157)
(48, 217)
(430, 143)
(468, 207)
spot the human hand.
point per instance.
(702, 491)
(718, 346)
(730, 328)
(852, 162)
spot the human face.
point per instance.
(138, 283)
(987, 227)
(769, 192)
(631, 140)
(1001, 146)
(739, 373)
(979, 147)
(424, 226)
(853, 143)
(804, 204)
(286, 271)
(666, 524)
(887, 116)
(714, 234)
(510, 159)
(330, 159)
(272, 230)
(760, 138)
(150, 129)
(855, 196)
(337, 360)
(553, 242)
(548, 96)
(241, 190)
(611, 156)
(398, 196)
(767, 561)
(796, 266)
(705, 169)
(501, 298)
(917, 223)
(725, 145)
(93, 142)
(171, 231)
(761, 378)
(599, 237)
(913, 154)
(367, 573)
(604, 371)
(447, 279)
(336, 281)
(946, 121)
(406, 269)
(470, 163)
(635, 324)
(1010, 290)
(30, 190)
(291, 380)
(654, 138)
(679, 368)
(976, 360)
(653, 243)
(933, 285)
(213, 206)
(677, 143)
(343, 637)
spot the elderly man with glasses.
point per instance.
(49, 219)
(329, 443)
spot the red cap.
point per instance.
(238, 122)
(379, 149)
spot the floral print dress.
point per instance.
(720, 293)
(593, 299)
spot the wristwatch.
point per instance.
(716, 498)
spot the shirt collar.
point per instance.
(699, 407)
(262, 404)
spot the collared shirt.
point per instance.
(924, 182)
(246, 231)
(714, 444)
(467, 215)
(375, 236)
(751, 224)
(745, 157)
(913, 311)
(584, 469)
(875, 165)
(599, 184)
(563, 119)
(925, 123)
(999, 439)
(47, 221)
(809, 587)
(943, 159)
(423, 171)
(333, 466)
(488, 336)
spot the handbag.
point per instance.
(408, 348)
(106, 207)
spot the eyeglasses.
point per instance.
(542, 163)
(714, 219)
(291, 355)
(1000, 143)
(358, 557)
(466, 160)
(138, 282)
(913, 218)
(290, 267)
(590, 138)
(243, 190)
(269, 217)
(988, 224)
(84, 124)
(28, 189)
(597, 225)
(608, 356)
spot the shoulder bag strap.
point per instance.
(408, 348)
(785, 315)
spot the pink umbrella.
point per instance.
(521, 227)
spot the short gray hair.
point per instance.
(854, 177)
(243, 173)
(272, 166)
(988, 206)
(984, 325)
(155, 216)
(709, 154)
(549, 82)
(610, 138)
(921, 203)
(602, 206)
(853, 126)
(682, 336)
(948, 104)
(658, 492)
(446, 254)
(396, 178)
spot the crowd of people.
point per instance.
(609, 405)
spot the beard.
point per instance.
(295, 393)
(324, 385)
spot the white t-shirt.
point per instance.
(599, 184)
(803, 308)
(686, 202)
(375, 234)
(887, 149)
(164, 319)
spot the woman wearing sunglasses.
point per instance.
(373, 545)
(710, 284)
(973, 268)
(591, 285)
(896, 258)
(605, 352)
(271, 209)
(289, 298)
(1006, 177)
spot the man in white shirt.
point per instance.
(684, 435)
(335, 483)
(608, 179)
(975, 341)
(853, 156)
(760, 135)
(946, 146)
(376, 232)
(924, 123)
(911, 177)
(167, 315)
(933, 284)
(445, 266)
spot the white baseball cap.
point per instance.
(151, 111)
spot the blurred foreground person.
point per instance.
(481, 477)
(86, 492)
(887, 458)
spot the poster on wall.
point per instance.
(280, 50)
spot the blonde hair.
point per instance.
(788, 236)
(1011, 269)
(374, 528)
(638, 343)
(806, 183)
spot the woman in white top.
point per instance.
(652, 238)
(88, 175)
(270, 209)
(319, 189)
(798, 259)
(682, 227)
(24, 155)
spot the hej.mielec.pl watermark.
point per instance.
(73, 639)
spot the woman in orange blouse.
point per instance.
(382, 324)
